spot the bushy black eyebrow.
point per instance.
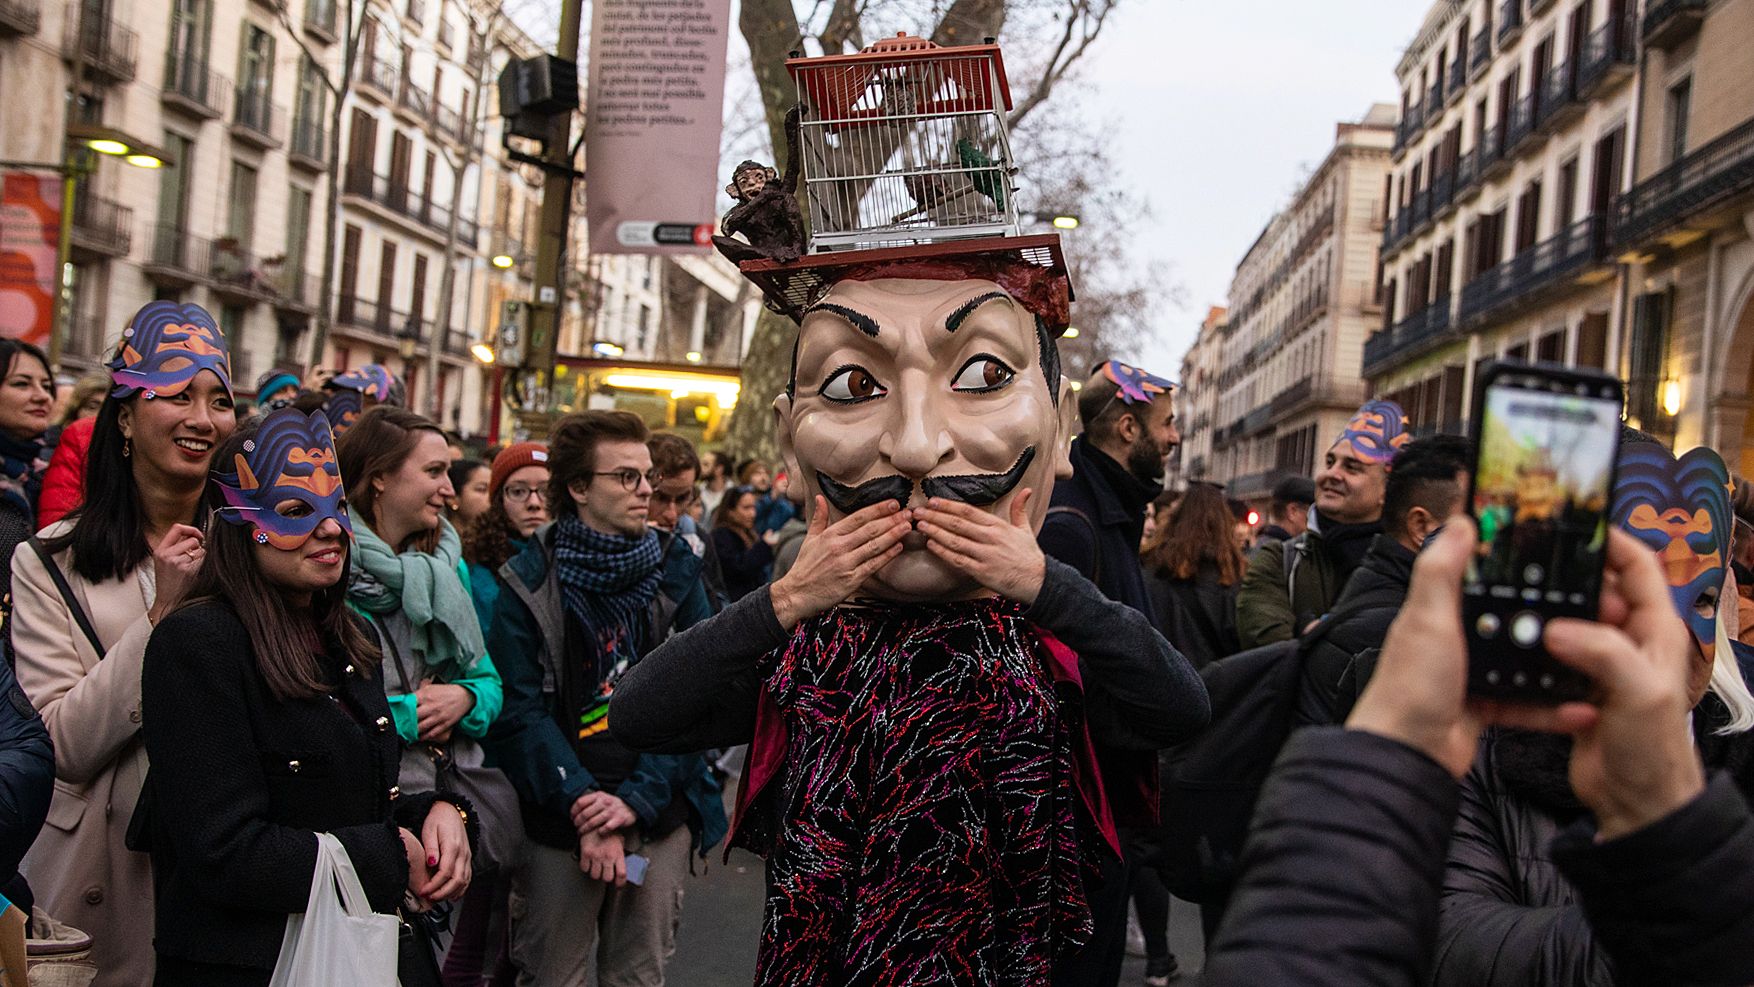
(956, 318)
(859, 320)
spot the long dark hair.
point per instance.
(1199, 529)
(727, 504)
(108, 536)
(377, 445)
(287, 639)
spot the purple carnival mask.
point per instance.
(290, 458)
(343, 408)
(164, 347)
(1136, 386)
(1681, 509)
(1377, 431)
(373, 380)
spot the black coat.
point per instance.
(27, 773)
(1196, 615)
(242, 782)
(1358, 623)
(1341, 877)
(1103, 543)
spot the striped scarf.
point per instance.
(607, 581)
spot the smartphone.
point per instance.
(636, 869)
(1545, 444)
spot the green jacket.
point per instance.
(1288, 584)
(481, 679)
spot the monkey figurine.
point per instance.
(766, 212)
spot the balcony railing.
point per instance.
(194, 88)
(1542, 266)
(379, 74)
(1467, 173)
(101, 225)
(449, 122)
(1718, 171)
(258, 121)
(1443, 191)
(1522, 123)
(110, 51)
(1413, 331)
(1558, 95)
(1510, 20)
(1329, 390)
(19, 18)
(310, 144)
(415, 100)
(177, 257)
(295, 290)
(398, 198)
(1479, 54)
(1458, 76)
(1434, 99)
(1609, 51)
(320, 19)
(1671, 21)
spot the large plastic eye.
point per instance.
(851, 384)
(981, 374)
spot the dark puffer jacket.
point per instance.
(1196, 615)
(1509, 916)
(1359, 622)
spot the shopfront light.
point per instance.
(482, 352)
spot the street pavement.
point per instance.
(721, 923)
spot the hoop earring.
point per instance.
(127, 447)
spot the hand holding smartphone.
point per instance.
(1545, 444)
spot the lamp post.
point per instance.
(78, 160)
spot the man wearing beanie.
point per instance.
(276, 389)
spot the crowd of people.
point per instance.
(505, 684)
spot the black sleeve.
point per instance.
(1487, 936)
(1342, 867)
(1071, 539)
(699, 689)
(1672, 903)
(27, 773)
(1139, 692)
(210, 797)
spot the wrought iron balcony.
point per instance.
(320, 20)
(1510, 21)
(1559, 102)
(177, 258)
(1547, 264)
(449, 123)
(378, 76)
(19, 18)
(1670, 22)
(1479, 54)
(1326, 391)
(1719, 171)
(109, 50)
(101, 227)
(193, 88)
(1443, 192)
(1521, 125)
(1467, 174)
(415, 100)
(1414, 332)
(396, 196)
(1434, 99)
(1458, 77)
(310, 144)
(257, 121)
(1610, 55)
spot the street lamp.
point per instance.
(503, 261)
(1066, 222)
(408, 339)
(483, 353)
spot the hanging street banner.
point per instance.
(30, 229)
(654, 108)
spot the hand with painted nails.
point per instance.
(419, 873)
(445, 840)
(836, 559)
(1001, 555)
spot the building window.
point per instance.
(241, 225)
(308, 110)
(1680, 107)
(1647, 352)
(298, 229)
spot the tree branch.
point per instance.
(1062, 62)
(298, 38)
(968, 21)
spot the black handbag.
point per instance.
(417, 955)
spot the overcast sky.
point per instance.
(1240, 99)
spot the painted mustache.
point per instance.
(978, 489)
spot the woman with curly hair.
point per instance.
(517, 505)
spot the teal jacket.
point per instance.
(482, 680)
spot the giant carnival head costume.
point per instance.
(286, 482)
(164, 346)
(926, 363)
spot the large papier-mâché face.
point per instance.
(165, 345)
(1680, 507)
(907, 389)
(287, 482)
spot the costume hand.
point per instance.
(1002, 556)
(174, 562)
(601, 811)
(836, 559)
(440, 708)
(445, 838)
(1632, 755)
(603, 857)
(419, 875)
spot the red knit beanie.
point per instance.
(515, 458)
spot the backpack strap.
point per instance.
(1095, 542)
(67, 597)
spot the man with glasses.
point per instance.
(692, 589)
(610, 829)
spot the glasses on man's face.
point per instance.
(517, 493)
(630, 477)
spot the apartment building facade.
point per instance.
(1515, 140)
(1283, 365)
(1685, 230)
(1197, 401)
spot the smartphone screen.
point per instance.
(1545, 447)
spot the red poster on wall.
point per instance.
(30, 227)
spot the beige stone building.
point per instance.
(1197, 400)
(1684, 230)
(1282, 368)
(1515, 138)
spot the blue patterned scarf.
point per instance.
(607, 581)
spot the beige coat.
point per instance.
(79, 868)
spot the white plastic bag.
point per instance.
(338, 939)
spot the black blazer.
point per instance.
(241, 782)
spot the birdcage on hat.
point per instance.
(905, 142)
